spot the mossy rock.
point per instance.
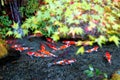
(12, 56)
(7, 54)
(116, 75)
(3, 49)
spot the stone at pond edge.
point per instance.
(12, 56)
(116, 75)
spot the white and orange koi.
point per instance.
(40, 55)
(40, 51)
(30, 53)
(69, 42)
(52, 46)
(23, 48)
(48, 53)
(42, 47)
(95, 48)
(16, 45)
(63, 62)
(108, 56)
(50, 40)
(63, 47)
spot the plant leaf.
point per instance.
(101, 40)
(55, 37)
(9, 33)
(115, 39)
(98, 72)
(80, 50)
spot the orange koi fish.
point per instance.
(69, 42)
(63, 47)
(40, 55)
(40, 51)
(63, 62)
(51, 46)
(16, 45)
(50, 40)
(22, 48)
(108, 56)
(31, 53)
(95, 48)
(48, 53)
(42, 47)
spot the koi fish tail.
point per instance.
(54, 56)
(109, 61)
(50, 64)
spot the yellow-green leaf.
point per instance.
(79, 43)
(55, 37)
(80, 50)
(15, 25)
(101, 40)
(9, 33)
(91, 37)
(2, 2)
(18, 36)
(115, 39)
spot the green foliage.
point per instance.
(91, 72)
(115, 39)
(29, 9)
(16, 34)
(5, 24)
(101, 40)
(96, 20)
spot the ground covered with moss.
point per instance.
(27, 68)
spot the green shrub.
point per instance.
(5, 24)
(29, 8)
(98, 20)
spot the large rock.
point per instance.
(7, 54)
(3, 49)
(116, 75)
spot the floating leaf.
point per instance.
(81, 50)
